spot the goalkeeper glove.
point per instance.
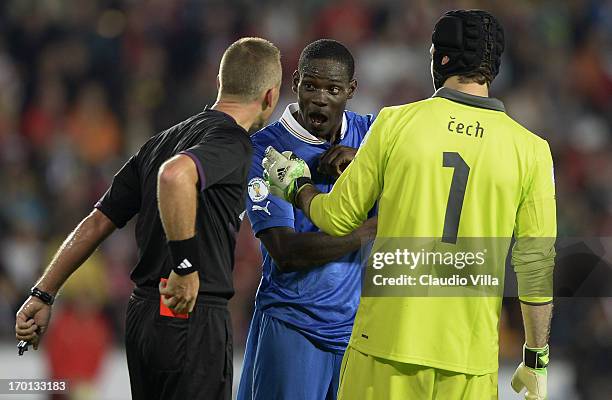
(285, 173)
(531, 374)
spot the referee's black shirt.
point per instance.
(221, 150)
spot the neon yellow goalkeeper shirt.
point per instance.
(454, 165)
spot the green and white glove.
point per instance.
(283, 171)
(531, 374)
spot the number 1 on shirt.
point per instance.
(455, 195)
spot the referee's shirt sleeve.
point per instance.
(122, 199)
(535, 231)
(342, 210)
(219, 154)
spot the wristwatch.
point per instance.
(44, 296)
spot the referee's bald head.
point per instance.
(249, 67)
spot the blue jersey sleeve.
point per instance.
(265, 210)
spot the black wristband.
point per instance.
(43, 296)
(185, 255)
(299, 185)
(535, 358)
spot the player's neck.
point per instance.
(473, 88)
(245, 114)
(330, 136)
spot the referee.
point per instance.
(187, 184)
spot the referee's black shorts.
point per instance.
(172, 358)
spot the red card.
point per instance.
(165, 311)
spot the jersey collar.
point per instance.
(476, 101)
(298, 130)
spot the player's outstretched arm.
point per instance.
(345, 208)
(294, 251)
(177, 202)
(304, 198)
(356, 190)
(33, 316)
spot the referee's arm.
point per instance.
(33, 316)
(118, 205)
(177, 202)
(177, 197)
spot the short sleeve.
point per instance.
(265, 210)
(122, 199)
(218, 155)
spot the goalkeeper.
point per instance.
(452, 166)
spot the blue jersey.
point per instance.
(320, 303)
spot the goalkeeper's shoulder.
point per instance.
(531, 138)
(390, 120)
(397, 113)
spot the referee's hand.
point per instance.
(32, 320)
(179, 293)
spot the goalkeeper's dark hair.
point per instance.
(482, 75)
(328, 49)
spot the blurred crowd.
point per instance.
(84, 83)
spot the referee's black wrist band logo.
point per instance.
(184, 268)
(185, 255)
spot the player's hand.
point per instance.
(179, 293)
(281, 171)
(32, 321)
(532, 379)
(367, 231)
(336, 159)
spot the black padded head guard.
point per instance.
(471, 39)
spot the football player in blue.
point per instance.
(309, 292)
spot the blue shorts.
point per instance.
(280, 363)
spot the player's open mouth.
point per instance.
(317, 119)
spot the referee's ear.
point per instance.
(269, 99)
(218, 82)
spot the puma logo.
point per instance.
(260, 208)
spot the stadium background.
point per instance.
(85, 83)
